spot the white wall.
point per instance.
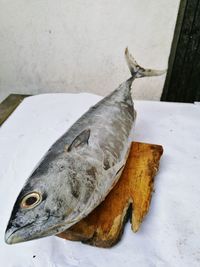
(76, 46)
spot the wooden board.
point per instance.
(104, 226)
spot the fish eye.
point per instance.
(31, 200)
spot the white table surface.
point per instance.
(169, 235)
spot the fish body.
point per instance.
(79, 169)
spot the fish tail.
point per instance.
(137, 71)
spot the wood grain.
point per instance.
(104, 226)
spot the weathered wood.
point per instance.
(104, 226)
(182, 81)
(9, 105)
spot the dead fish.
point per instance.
(80, 168)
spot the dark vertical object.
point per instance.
(183, 78)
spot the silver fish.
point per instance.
(80, 168)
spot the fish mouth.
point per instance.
(27, 232)
(13, 236)
(30, 231)
(24, 233)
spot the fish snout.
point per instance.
(12, 237)
(15, 233)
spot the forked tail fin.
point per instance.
(137, 71)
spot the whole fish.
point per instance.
(80, 168)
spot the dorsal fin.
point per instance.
(80, 140)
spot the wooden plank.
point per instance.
(9, 105)
(104, 226)
(182, 81)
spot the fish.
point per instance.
(80, 168)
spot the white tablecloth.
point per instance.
(169, 235)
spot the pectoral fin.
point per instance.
(80, 140)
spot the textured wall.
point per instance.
(76, 46)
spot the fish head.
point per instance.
(26, 213)
(51, 201)
(54, 195)
(40, 210)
